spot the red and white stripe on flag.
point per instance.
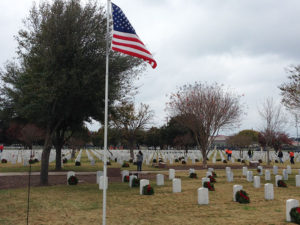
(125, 40)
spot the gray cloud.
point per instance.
(243, 44)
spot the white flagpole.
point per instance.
(105, 118)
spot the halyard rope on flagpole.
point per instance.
(105, 118)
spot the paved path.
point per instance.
(64, 173)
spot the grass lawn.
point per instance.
(82, 204)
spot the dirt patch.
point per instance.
(21, 181)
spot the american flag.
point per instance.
(126, 40)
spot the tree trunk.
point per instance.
(268, 156)
(58, 158)
(131, 153)
(45, 159)
(73, 154)
(204, 161)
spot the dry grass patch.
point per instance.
(82, 204)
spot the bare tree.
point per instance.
(131, 121)
(274, 120)
(291, 91)
(205, 109)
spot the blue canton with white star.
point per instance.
(120, 21)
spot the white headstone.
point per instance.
(261, 170)
(98, 175)
(208, 173)
(101, 183)
(277, 178)
(205, 179)
(191, 170)
(249, 176)
(143, 182)
(124, 173)
(214, 160)
(229, 176)
(289, 169)
(290, 203)
(269, 191)
(160, 179)
(256, 182)
(267, 175)
(275, 170)
(210, 169)
(131, 177)
(285, 174)
(171, 174)
(236, 188)
(245, 169)
(203, 198)
(69, 174)
(176, 183)
(93, 162)
(297, 178)
(228, 168)
(25, 162)
(232, 160)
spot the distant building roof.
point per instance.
(221, 138)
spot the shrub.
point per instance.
(108, 163)
(134, 163)
(197, 160)
(224, 161)
(77, 163)
(212, 179)
(276, 161)
(281, 183)
(260, 161)
(210, 186)
(116, 159)
(218, 160)
(126, 179)
(148, 190)
(135, 182)
(258, 170)
(73, 180)
(31, 161)
(295, 215)
(183, 162)
(65, 160)
(176, 160)
(242, 197)
(239, 160)
(243, 161)
(193, 175)
(36, 160)
(125, 164)
(154, 160)
(130, 160)
(4, 161)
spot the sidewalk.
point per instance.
(64, 173)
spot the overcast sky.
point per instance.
(245, 45)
